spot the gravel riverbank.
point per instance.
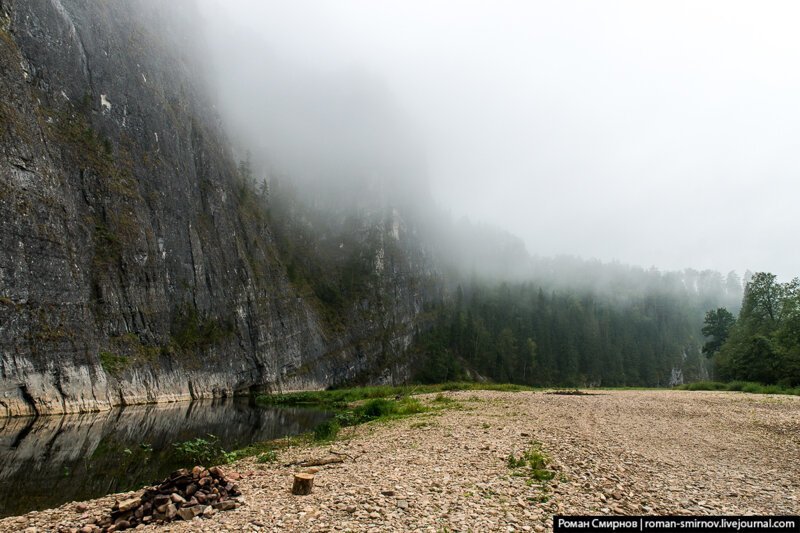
(613, 452)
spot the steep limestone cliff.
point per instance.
(135, 266)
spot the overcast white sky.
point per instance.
(654, 133)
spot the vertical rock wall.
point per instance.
(134, 267)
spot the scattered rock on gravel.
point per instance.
(614, 452)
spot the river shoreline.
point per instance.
(109, 406)
(614, 452)
(46, 461)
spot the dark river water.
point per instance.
(51, 460)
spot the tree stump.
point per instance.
(303, 483)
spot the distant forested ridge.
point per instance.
(637, 328)
(763, 343)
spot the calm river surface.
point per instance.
(51, 460)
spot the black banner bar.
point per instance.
(675, 524)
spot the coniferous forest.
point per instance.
(650, 336)
(525, 333)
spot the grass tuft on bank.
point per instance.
(353, 407)
(532, 463)
(342, 397)
(741, 386)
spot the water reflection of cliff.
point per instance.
(47, 461)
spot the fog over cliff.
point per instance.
(207, 198)
(659, 134)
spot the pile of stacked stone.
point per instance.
(183, 495)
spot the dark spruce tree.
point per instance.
(717, 327)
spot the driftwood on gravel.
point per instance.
(573, 392)
(343, 455)
(334, 457)
(317, 462)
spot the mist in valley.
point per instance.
(615, 172)
(474, 226)
(657, 136)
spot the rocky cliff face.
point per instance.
(135, 266)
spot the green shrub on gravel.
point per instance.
(409, 406)
(327, 430)
(442, 399)
(203, 451)
(377, 408)
(341, 397)
(366, 404)
(269, 456)
(705, 385)
(532, 464)
(743, 386)
(737, 385)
